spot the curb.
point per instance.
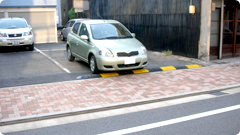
(138, 71)
(108, 107)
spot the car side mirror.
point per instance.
(133, 34)
(84, 37)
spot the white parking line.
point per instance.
(55, 62)
(53, 50)
(172, 121)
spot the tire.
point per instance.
(93, 65)
(31, 47)
(69, 54)
(62, 37)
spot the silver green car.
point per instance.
(106, 45)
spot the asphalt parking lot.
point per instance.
(48, 63)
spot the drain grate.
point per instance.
(89, 76)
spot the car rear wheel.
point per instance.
(69, 54)
(93, 65)
(62, 37)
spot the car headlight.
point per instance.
(143, 49)
(105, 52)
(27, 33)
(3, 35)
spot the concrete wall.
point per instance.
(35, 3)
(28, 2)
(204, 42)
(42, 20)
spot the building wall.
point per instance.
(1, 14)
(66, 5)
(81, 5)
(81, 8)
(42, 21)
(204, 42)
(35, 3)
(159, 24)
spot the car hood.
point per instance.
(21, 30)
(119, 45)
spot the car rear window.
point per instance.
(12, 24)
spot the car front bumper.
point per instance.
(118, 63)
(20, 41)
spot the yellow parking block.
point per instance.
(193, 66)
(109, 74)
(168, 68)
(139, 71)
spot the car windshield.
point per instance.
(109, 31)
(12, 24)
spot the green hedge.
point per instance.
(71, 13)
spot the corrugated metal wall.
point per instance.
(159, 24)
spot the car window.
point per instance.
(67, 24)
(13, 24)
(71, 23)
(109, 30)
(83, 30)
(76, 27)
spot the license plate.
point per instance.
(15, 42)
(130, 61)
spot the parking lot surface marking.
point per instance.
(168, 68)
(53, 50)
(109, 74)
(139, 71)
(55, 62)
(193, 66)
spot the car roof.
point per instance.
(96, 21)
(15, 18)
(79, 19)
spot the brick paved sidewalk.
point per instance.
(36, 100)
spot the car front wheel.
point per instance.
(69, 54)
(31, 47)
(93, 65)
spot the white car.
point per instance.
(16, 32)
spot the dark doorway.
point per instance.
(231, 29)
(215, 34)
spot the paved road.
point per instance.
(48, 63)
(212, 114)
